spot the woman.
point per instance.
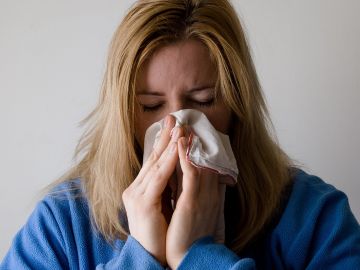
(113, 211)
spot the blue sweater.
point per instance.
(316, 230)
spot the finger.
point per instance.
(190, 185)
(158, 149)
(164, 163)
(179, 176)
(165, 137)
(162, 170)
(177, 132)
(156, 180)
(209, 181)
(166, 154)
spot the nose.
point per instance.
(176, 105)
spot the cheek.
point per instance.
(139, 134)
(221, 125)
(140, 128)
(220, 118)
(142, 122)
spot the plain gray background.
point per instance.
(52, 58)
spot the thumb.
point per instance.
(179, 177)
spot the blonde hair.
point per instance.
(111, 159)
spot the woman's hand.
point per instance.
(198, 212)
(143, 199)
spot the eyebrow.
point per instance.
(195, 89)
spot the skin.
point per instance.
(170, 79)
(177, 76)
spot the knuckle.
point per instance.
(158, 175)
(155, 169)
(155, 155)
(125, 195)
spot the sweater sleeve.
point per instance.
(46, 241)
(133, 256)
(206, 254)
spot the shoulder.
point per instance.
(63, 212)
(67, 189)
(303, 181)
(61, 219)
(317, 221)
(312, 199)
(59, 234)
(311, 191)
(65, 201)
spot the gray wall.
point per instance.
(52, 57)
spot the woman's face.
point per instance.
(178, 76)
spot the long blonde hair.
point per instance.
(110, 157)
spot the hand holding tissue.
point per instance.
(207, 147)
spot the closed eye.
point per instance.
(205, 103)
(153, 108)
(150, 108)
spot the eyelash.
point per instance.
(208, 103)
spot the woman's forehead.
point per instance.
(186, 64)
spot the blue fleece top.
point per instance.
(316, 230)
